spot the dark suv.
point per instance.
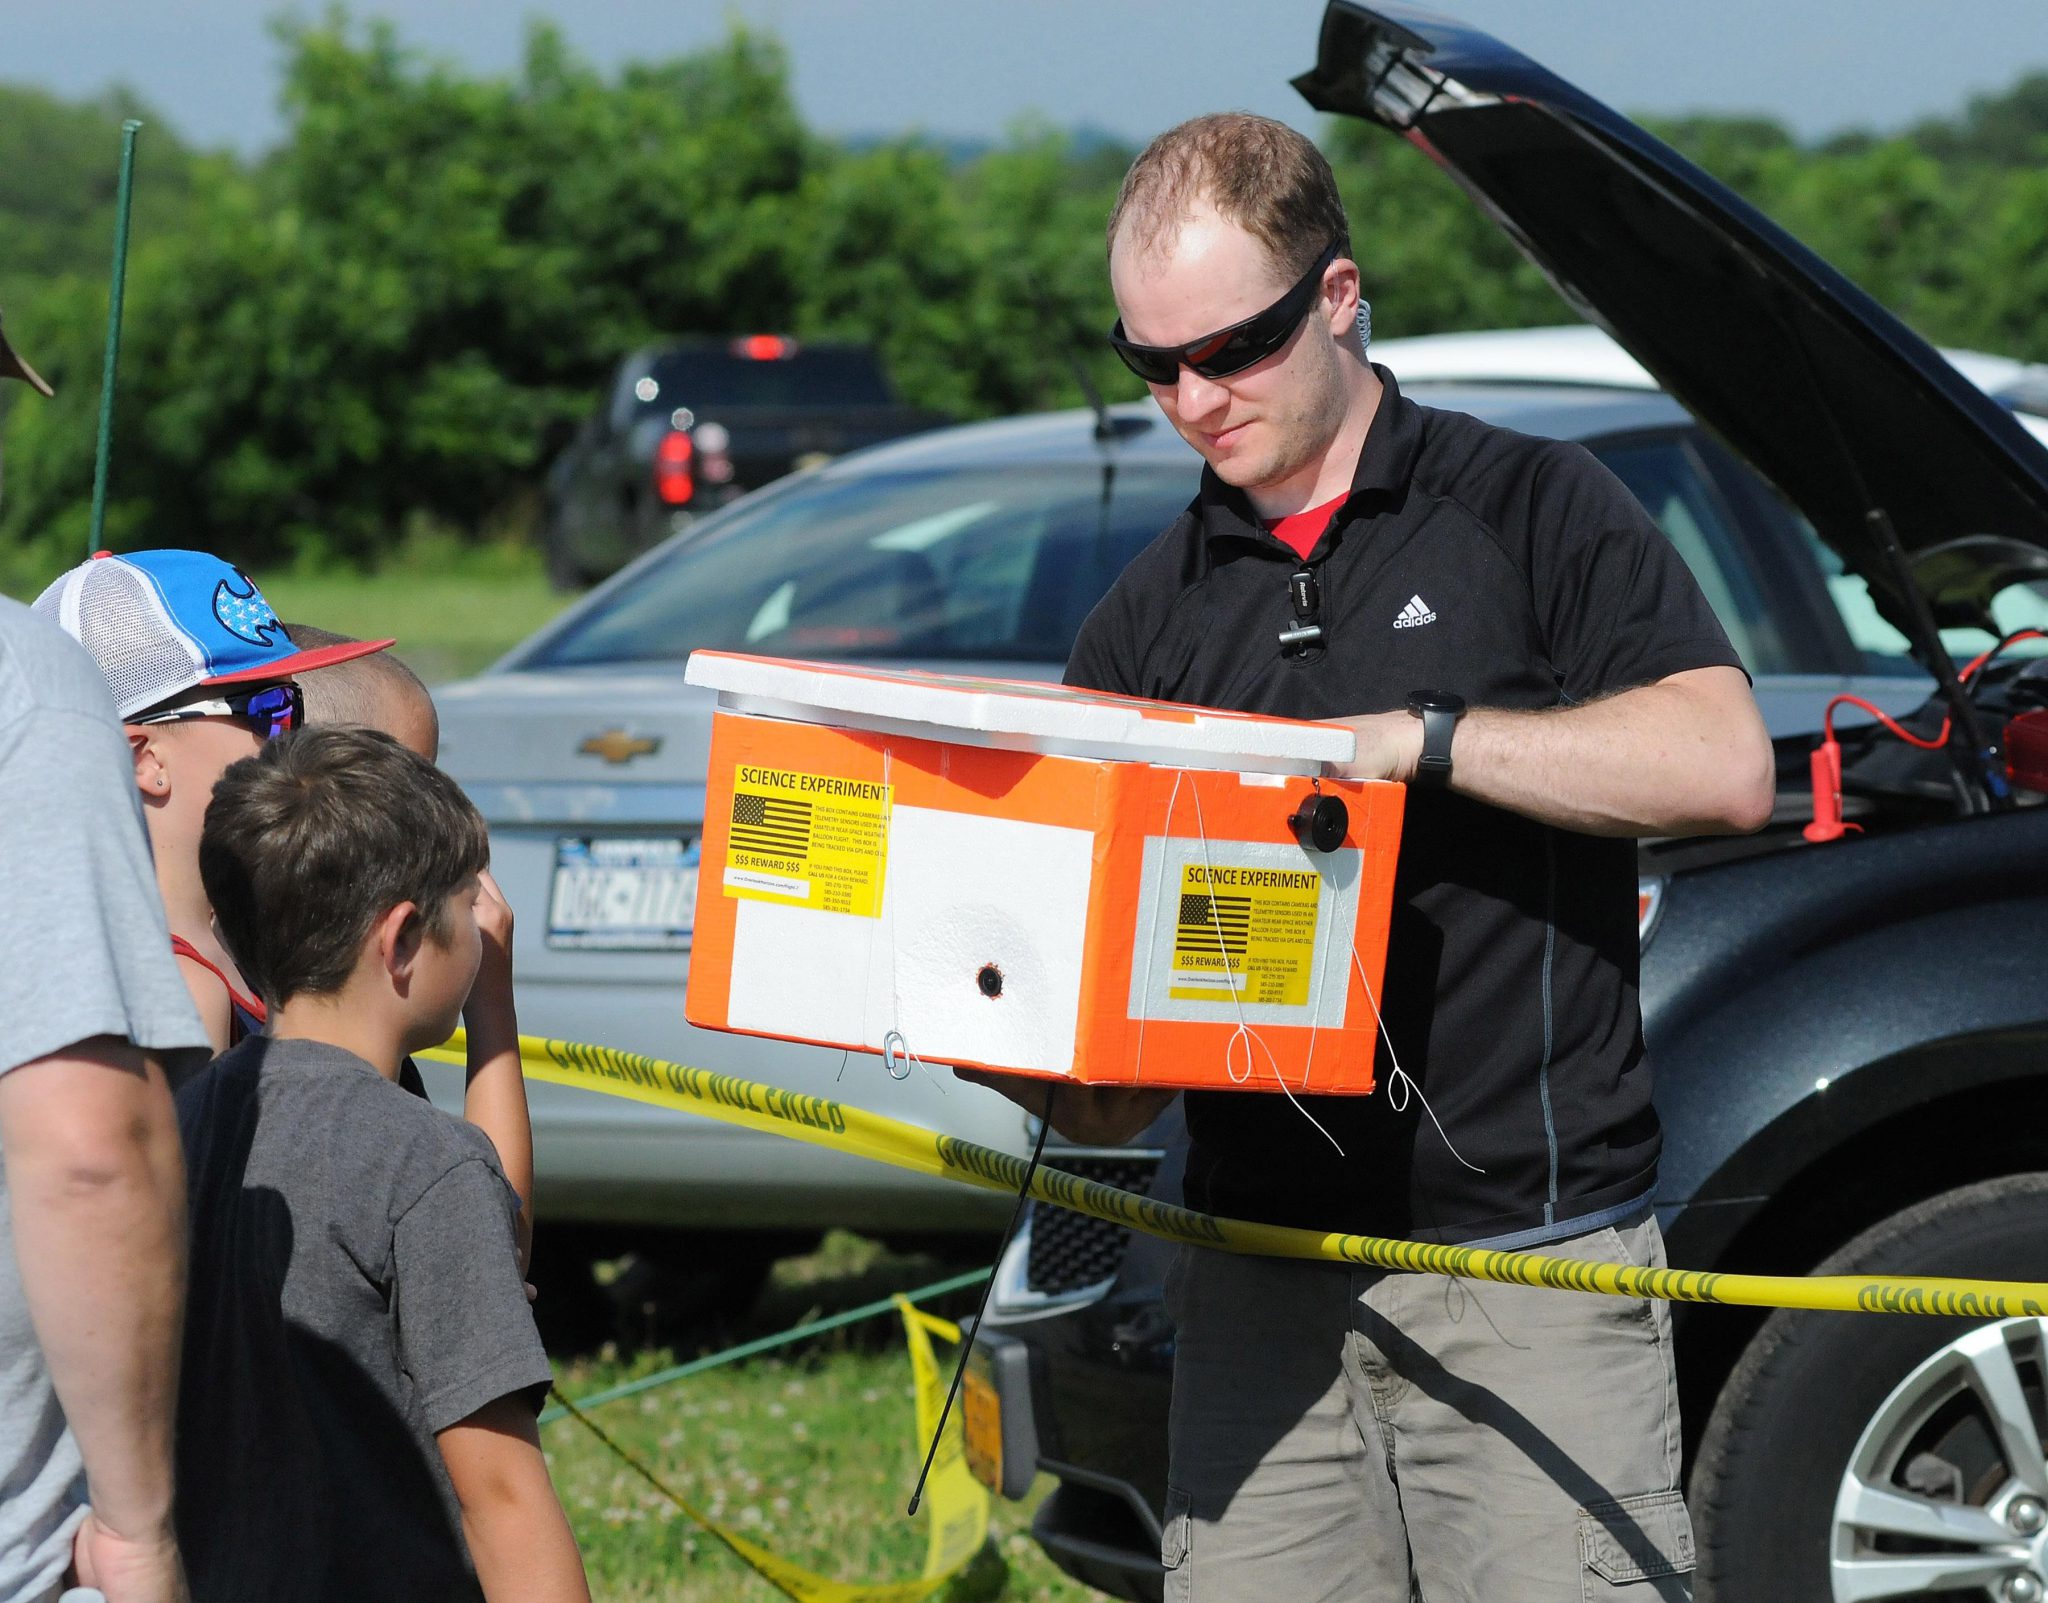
(1851, 1036)
(685, 428)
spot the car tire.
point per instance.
(1813, 1395)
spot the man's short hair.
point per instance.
(311, 841)
(1257, 173)
(355, 692)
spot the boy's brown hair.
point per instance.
(1259, 174)
(311, 841)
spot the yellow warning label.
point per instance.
(1248, 933)
(808, 840)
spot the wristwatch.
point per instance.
(1439, 711)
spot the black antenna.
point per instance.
(1105, 425)
(967, 1331)
(97, 536)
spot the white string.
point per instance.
(895, 1045)
(1152, 935)
(1243, 1029)
(1400, 1079)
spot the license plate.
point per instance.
(623, 895)
(981, 1412)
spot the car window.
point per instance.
(1673, 486)
(1884, 648)
(813, 376)
(990, 563)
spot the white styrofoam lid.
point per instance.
(1018, 714)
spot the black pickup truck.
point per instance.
(687, 427)
(1848, 1018)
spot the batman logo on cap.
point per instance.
(244, 613)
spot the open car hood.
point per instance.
(1821, 389)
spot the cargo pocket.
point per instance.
(1174, 1536)
(1636, 1548)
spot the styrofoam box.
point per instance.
(1044, 881)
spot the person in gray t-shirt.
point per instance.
(355, 1291)
(362, 1369)
(91, 1193)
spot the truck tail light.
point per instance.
(764, 347)
(674, 460)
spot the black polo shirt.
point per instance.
(1518, 573)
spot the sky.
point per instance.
(974, 68)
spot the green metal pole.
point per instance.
(129, 130)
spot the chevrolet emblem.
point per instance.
(616, 746)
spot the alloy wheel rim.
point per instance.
(1946, 1493)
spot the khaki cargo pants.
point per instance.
(1348, 1436)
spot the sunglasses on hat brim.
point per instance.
(275, 709)
(1228, 350)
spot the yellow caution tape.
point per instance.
(958, 1503)
(826, 1123)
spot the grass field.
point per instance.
(812, 1458)
(453, 611)
(811, 1455)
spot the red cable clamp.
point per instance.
(1827, 822)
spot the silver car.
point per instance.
(978, 548)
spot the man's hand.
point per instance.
(1089, 1115)
(1687, 755)
(1389, 747)
(139, 1569)
(96, 1184)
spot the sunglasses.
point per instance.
(275, 709)
(1228, 350)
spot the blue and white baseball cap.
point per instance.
(161, 622)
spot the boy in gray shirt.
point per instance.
(361, 1368)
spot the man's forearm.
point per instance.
(96, 1183)
(1686, 756)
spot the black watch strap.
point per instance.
(1439, 712)
(1438, 725)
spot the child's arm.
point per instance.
(511, 1518)
(494, 1099)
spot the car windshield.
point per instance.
(813, 376)
(1885, 650)
(975, 563)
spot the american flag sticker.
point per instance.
(807, 840)
(1245, 933)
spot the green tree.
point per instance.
(384, 322)
(2008, 129)
(1429, 260)
(58, 170)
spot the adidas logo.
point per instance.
(1415, 614)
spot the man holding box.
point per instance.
(1509, 634)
